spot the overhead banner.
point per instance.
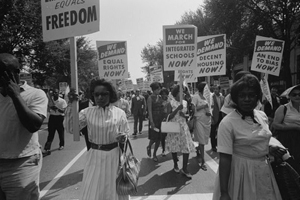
(180, 47)
(267, 55)
(140, 83)
(112, 59)
(156, 73)
(211, 55)
(188, 76)
(129, 84)
(66, 18)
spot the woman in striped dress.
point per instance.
(107, 125)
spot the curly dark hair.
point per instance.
(247, 81)
(155, 85)
(164, 91)
(102, 82)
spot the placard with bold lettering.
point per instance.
(156, 73)
(267, 55)
(211, 55)
(187, 75)
(180, 47)
(140, 83)
(112, 59)
(129, 84)
(69, 18)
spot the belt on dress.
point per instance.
(104, 147)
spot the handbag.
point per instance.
(288, 180)
(170, 127)
(128, 173)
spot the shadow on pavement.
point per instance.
(176, 182)
(69, 180)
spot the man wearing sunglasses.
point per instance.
(23, 110)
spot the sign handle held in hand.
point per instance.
(74, 84)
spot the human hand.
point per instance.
(53, 108)
(152, 125)
(11, 87)
(225, 196)
(277, 151)
(72, 96)
(181, 114)
(122, 137)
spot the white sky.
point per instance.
(139, 22)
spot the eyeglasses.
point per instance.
(251, 96)
(103, 94)
(295, 94)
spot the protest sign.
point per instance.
(207, 95)
(147, 85)
(224, 82)
(63, 86)
(211, 55)
(129, 84)
(139, 82)
(264, 85)
(188, 76)
(180, 46)
(156, 73)
(112, 59)
(66, 18)
(267, 55)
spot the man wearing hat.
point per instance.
(23, 110)
(138, 110)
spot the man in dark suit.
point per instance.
(218, 101)
(138, 110)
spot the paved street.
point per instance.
(62, 172)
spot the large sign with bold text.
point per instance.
(211, 55)
(69, 18)
(180, 47)
(267, 55)
(187, 75)
(112, 59)
(156, 73)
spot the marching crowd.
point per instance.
(247, 132)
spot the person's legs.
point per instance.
(213, 140)
(149, 147)
(163, 143)
(135, 118)
(141, 119)
(202, 165)
(21, 178)
(175, 160)
(61, 131)
(51, 132)
(157, 143)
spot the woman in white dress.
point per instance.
(243, 143)
(107, 127)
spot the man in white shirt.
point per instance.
(55, 122)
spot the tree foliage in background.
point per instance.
(242, 20)
(49, 63)
(153, 55)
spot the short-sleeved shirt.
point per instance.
(244, 137)
(15, 140)
(61, 104)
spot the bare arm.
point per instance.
(149, 104)
(224, 173)
(278, 121)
